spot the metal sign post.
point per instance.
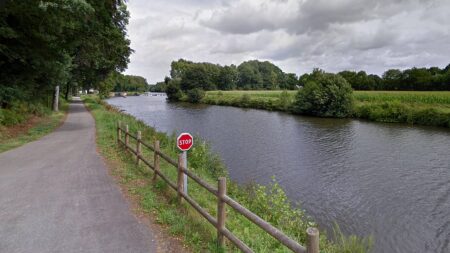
(184, 143)
(185, 164)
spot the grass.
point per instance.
(31, 129)
(413, 107)
(159, 200)
(439, 98)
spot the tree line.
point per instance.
(73, 44)
(256, 75)
(249, 75)
(421, 79)
(118, 82)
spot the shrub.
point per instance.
(41, 110)
(195, 95)
(173, 91)
(328, 95)
(284, 101)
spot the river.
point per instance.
(388, 180)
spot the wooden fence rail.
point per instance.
(223, 200)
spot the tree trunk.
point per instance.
(56, 99)
(67, 91)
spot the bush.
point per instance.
(173, 91)
(195, 95)
(328, 95)
(284, 101)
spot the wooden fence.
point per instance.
(221, 193)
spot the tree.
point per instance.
(249, 77)
(228, 78)
(259, 75)
(173, 91)
(392, 79)
(194, 76)
(303, 79)
(290, 81)
(327, 95)
(65, 43)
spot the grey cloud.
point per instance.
(296, 35)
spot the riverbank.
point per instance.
(268, 202)
(31, 127)
(421, 108)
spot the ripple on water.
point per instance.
(389, 180)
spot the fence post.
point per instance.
(126, 136)
(221, 210)
(180, 181)
(138, 147)
(119, 132)
(313, 240)
(156, 160)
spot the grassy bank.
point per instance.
(22, 125)
(269, 202)
(423, 108)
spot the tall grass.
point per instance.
(269, 202)
(413, 97)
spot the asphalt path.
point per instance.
(56, 196)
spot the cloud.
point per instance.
(298, 35)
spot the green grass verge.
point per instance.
(269, 202)
(413, 107)
(42, 125)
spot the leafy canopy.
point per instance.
(327, 95)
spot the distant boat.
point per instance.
(123, 94)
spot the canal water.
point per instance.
(391, 181)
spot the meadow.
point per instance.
(412, 107)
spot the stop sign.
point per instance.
(185, 141)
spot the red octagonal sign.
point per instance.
(185, 141)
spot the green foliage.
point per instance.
(284, 102)
(245, 100)
(423, 79)
(67, 43)
(228, 78)
(264, 75)
(131, 83)
(248, 75)
(18, 112)
(118, 82)
(195, 95)
(395, 111)
(329, 95)
(173, 91)
(45, 122)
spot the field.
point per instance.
(420, 97)
(413, 107)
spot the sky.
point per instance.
(296, 35)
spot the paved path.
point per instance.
(56, 196)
